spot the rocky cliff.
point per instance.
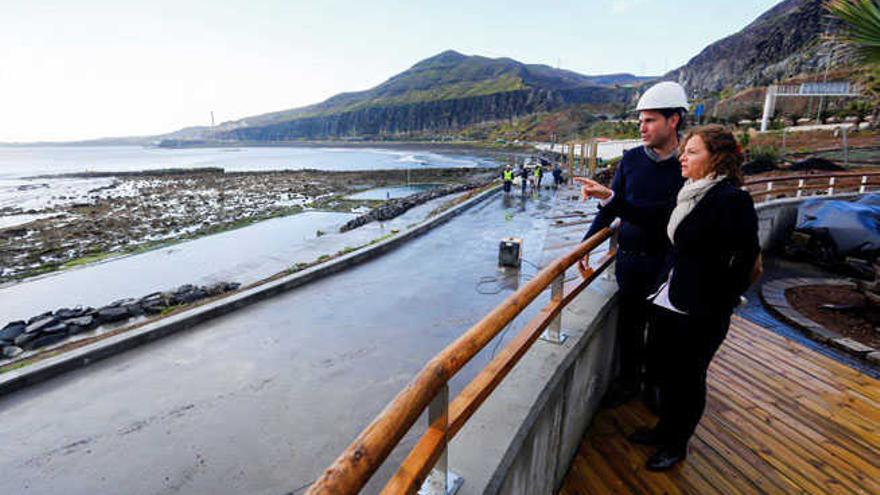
(785, 41)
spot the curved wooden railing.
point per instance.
(353, 469)
(798, 185)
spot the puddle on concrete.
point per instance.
(393, 192)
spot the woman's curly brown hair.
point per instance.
(725, 153)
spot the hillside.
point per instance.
(783, 42)
(442, 93)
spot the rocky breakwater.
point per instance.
(396, 207)
(52, 327)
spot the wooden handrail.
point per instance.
(418, 464)
(354, 467)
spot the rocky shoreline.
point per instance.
(131, 212)
(52, 327)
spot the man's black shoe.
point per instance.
(620, 394)
(666, 457)
(647, 437)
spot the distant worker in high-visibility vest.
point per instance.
(507, 177)
(539, 174)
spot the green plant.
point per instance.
(765, 154)
(862, 26)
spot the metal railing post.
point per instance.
(864, 185)
(441, 481)
(612, 247)
(554, 333)
(831, 186)
(800, 187)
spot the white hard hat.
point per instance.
(666, 94)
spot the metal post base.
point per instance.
(453, 483)
(546, 337)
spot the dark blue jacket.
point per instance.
(644, 186)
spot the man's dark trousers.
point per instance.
(637, 274)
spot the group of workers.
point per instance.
(687, 251)
(529, 178)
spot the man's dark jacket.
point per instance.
(649, 187)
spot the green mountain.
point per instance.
(445, 92)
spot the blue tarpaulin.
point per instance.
(854, 226)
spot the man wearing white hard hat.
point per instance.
(648, 178)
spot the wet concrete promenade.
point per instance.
(261, 401)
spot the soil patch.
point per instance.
(855, 317)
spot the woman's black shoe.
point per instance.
(647, 437)
(666, 457)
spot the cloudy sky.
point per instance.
(86, 69)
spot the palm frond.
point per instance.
(862, 25)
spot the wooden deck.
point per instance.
(779, 419)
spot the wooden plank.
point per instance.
(809, 465)
(798, 417)
(758, 472)
(796, 441)
(813, 361)
(779, 419)
(815, 401)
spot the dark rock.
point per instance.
(11, 351)
(39, 317)
(67, 313)
(45, 340)
(154, 309)
(814, 163)
(109, 314)
(134, 309)
(758, 166)
(23, 339)
(121, 302)
(81, 324)
(40, 324)
(191, 296)
(154, 298)
(184, 289)
(12, 330)
(395, 207)
(60, 327)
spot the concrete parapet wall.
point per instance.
(522, 440)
